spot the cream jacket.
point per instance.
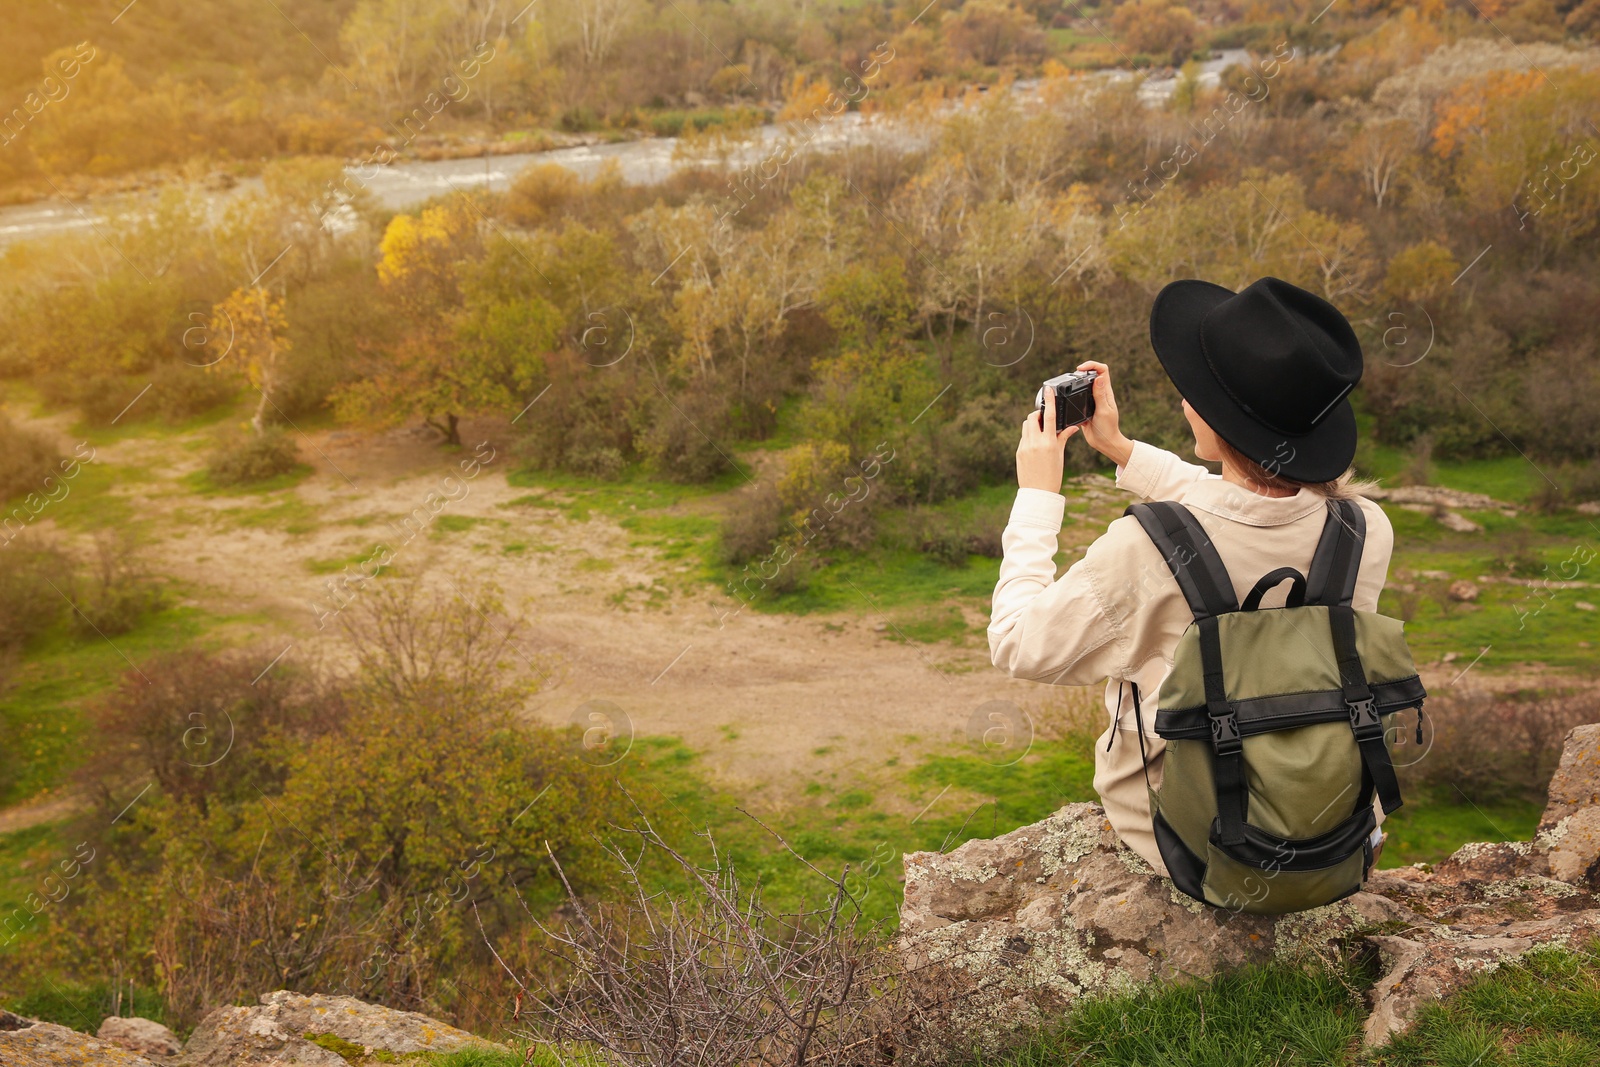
(1117, 613)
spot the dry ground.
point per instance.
(772, 701)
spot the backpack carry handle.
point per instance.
(1297, 591)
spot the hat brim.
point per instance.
(1319, 456)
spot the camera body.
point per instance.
(1074, 398)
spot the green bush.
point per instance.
(352, 853)
(253, 458)
(179, 392)
(602, 462)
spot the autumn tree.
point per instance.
(1521, 147)
(470, 344)
(255, 323)
(1378, 153)
(1421, 273)
(1233, 234)
(1157, 28)
(991, 32)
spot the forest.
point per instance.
(790, 366)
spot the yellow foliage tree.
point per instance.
(1421, 273)
(419, 253)
(258, 328)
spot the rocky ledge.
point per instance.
(1029, 922)
(284, 1029)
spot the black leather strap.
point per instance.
(1190, 556)
(1227, 746)
(1365, 722)
(1297, 591)
(1332, 577)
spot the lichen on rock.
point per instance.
(1025, 924)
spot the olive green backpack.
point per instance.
(1277, 723)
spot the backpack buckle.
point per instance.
(1364, 720)
(1225, 737)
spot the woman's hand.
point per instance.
(1040, 464)
(1104, 431)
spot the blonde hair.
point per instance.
(1345, 487)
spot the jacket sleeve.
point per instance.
(1048, 629)
(1153, 473)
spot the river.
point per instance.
(643, 161)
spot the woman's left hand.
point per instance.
(1040, 460)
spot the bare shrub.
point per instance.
(1494, 746)
(33, 578)
(205, 726)
(710, 976)
(26, 460)
(753, 524)
(113, 592)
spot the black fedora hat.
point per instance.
(1269, 368)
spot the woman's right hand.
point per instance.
(1104, 431)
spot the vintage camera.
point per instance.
(1074, 398)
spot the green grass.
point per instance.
(334, 566)
(85, 1006)
(517, 1055)
(41, 713)
(842, 820)
(26, 858)
(1248, 1018)
(905, 800)
(449, 524)
(1540, 1011)
(1431, 825)
(90, 503)
(635, 490)
(1517, 624)
(1510, 478)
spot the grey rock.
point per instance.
(1570, 826)
(1008, 931)
(1033, 920)
(37, 1044)
(1459, 523)
(1438, 496)
(144, 1036)
(275, 1032)
(1436, 961)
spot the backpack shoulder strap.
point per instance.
(1189, 555)
(1332, 578)
(1332, 582)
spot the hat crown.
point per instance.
(1286, 356)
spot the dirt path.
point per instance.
(771, 701)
